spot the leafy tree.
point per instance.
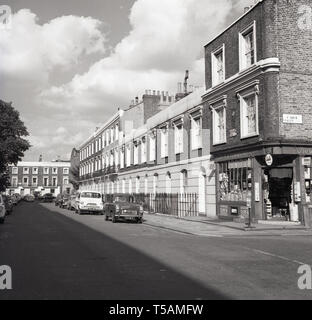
(12, 143)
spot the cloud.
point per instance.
(30, 51)
(167, 37)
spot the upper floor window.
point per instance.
(196, 131)
(143, 150)
(219, 124)
(128, 155)
(46, 170)
(178, 138)
(25, 170)
(65, 171)
(14, 181)
(249, 115)
(135, 153)
(218, 66)
(152, 147)
(35, 170)
(15, 170)
(247, 38)
(122, 157)
(54, 170)
(164, 142)
(117, 132)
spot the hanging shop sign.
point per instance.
(269, 160)
(307, 161)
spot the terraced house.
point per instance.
(40, 177)
(258, 88)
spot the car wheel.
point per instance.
(139, 220)
(114, 219)
(106, 217)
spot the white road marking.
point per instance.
(277, 256)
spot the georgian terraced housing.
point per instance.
(242, 144)
(39, 177)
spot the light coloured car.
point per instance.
(2, 209)
(89, 202)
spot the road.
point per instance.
(55, 254)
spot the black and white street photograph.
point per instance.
(156, 155)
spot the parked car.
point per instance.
(89, 202)
(64, 201)
(71, 203)
(8, 204)
(48, 197)
(123, 208)
(2, 210)
(29, 198)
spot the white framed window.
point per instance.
(112, 134)
(178, 138)
(146, 184)
(14, 170)
(25, 170)
(164, 138)
(152, 147)
(123, 185)
(130, 185)
(25, 181)
(137, 185)
(111, 162)
(117, 132)
(54, 181)
(155, 183)
(247, 47)
(65, 171)
(65, 181)
(196, 132)
(219, 124)
(183, 181)
(128, 155)
(122, 157)
(14, 181)
(135, 153)
(117, 157)
(143, 150)
(34, 181)
(168, 183)
(249, 115)
(218, 66)
(54, 170)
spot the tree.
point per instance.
(12, 143)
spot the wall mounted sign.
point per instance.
(292, 118)
(306, 161)
(269, 160)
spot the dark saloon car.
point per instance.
(8, 204)
(48, 197)
(122, 207)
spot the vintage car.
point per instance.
(122, 207)
(48, 197)
(89, 202)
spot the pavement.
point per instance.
(201, 226)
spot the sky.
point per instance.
(68, 65)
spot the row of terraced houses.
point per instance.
(242, 141)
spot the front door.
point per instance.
(202, 194)
(278, 193)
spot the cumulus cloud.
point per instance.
(30, 51)
(167, 37)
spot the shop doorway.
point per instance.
(278, 193)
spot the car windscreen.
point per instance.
(92, 195)
(121, 199)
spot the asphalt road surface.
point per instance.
(56, 254)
